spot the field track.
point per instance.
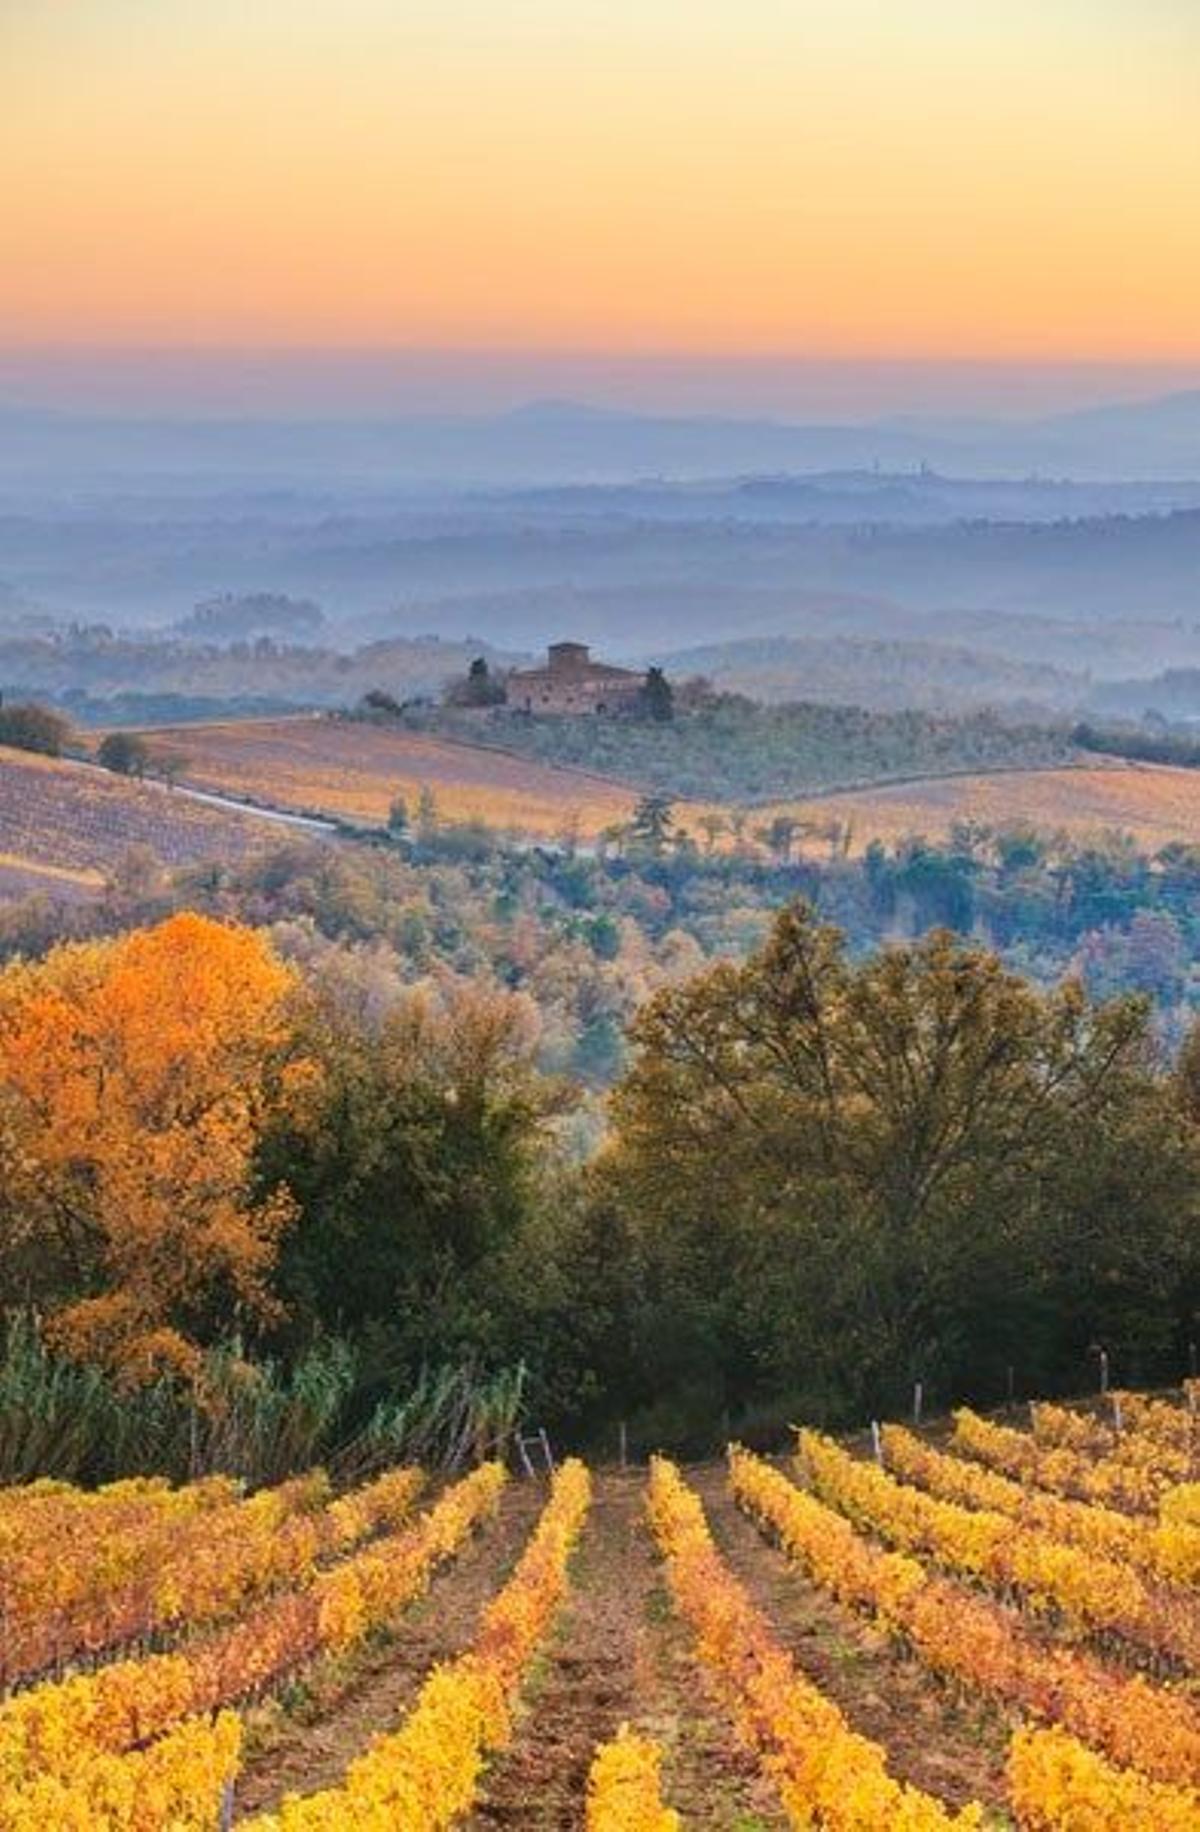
(619, 1654)
(952, 1748)
(301, 1751)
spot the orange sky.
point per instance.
(862, 177)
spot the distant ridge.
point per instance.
(564, 440)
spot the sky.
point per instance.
(832, 187)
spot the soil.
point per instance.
(942, 1742)
(308, 1739)
(620, 1655)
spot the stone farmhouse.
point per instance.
(571, 682)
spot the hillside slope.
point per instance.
(64, 825)
(1154, 803)
(354, 770)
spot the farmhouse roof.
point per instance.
(573, 658)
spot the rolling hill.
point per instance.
(1154, 803)
(65, 825)
(353, 771)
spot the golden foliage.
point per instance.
(138, 1074)
(47, 1729)
(177, 1783)
(1085, 1589)
(1170, 1551)
(1055, 1466)
(623, 1789)
(826, 1773)
(424, 1775)
(972, 1639)
(1059, 1785)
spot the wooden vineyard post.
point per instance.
(540, 1441)
(877, 1442)
(227, 1806)
(623, 1444)
(918, 1398)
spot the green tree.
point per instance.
(657, 696)
(415, 1168)
(844, 1177)
(125, 753)
(27, 727)
(483, 688)
(651, 823)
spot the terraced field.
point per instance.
(994, 1628)
(64, 825)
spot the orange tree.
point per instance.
(136, 1077)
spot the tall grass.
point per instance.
(258, 1420)
(451, 1416)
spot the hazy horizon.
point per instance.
(337, 383)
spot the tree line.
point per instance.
(821, 1179)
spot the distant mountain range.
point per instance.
(564, 441)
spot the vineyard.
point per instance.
(68, 825)
(991, 1627)
(355, 771)
(1155, 804)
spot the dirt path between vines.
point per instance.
(308, 1740)
(950, 1746)
(618, 1654)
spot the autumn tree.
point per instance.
(137, 1077)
